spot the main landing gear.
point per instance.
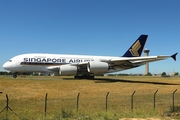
(84, 77)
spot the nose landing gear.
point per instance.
(14, 76)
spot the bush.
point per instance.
(163, 74)
(148, 74)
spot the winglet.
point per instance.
(137, 47)
(174, 56)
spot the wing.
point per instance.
(104, 66)
(131, 62)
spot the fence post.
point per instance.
(173, 100)
(107, 101)
(132, 100)
(155, 99)
(77, 105)
(7, 106)
(45, 106)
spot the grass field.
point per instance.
(27, 93)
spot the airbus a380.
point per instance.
(82, 66)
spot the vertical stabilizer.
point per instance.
(136, 49)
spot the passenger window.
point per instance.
(10, 60)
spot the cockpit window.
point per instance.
(10, 60)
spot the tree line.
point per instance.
(10, 73)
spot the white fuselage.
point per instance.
(41, 62)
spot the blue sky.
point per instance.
(92, 27)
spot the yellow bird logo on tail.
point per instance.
(135, 48)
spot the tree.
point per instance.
(148, 74)
(163, 74)
(176, 73)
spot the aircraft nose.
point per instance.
(6, 66)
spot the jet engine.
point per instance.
(97, 67)
(67, 70)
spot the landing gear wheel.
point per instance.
(14, 76)
(84, 77)
(76, 77)
(91, 77)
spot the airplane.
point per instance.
(82, 66)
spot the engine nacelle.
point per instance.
(67, 70)
(97, 67)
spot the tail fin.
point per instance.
(136, 49)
